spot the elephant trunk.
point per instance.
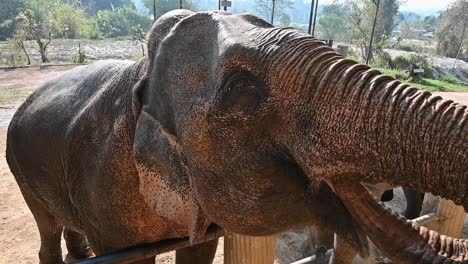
(403, 241)
(405, 137)
(374, 126)
(418, 140)
(355, 124)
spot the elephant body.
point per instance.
(74, 135)
(230, 121)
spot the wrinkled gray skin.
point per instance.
(228, 121)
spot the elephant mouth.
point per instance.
(400, 240)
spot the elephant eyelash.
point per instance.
(241, 92)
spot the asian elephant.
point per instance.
(234, 122)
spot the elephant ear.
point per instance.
(160, 29)
(164, 177)
(164, 180)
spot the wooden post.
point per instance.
(453, 218)
(450, 217)
(240, 249)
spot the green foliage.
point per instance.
(40, 21)
(430, 23)
(285, 20)
(120, 21)
(361, 18)
(138, 34)
(447, 43)
(412, 61)
(80, 57)
(92, 7)
(71, 22)
(9, 10)
(440, 86)
(383, 60)
(16, 55)
(452, 31)
(387, 19)
(332, 24)
(164, 6)
(407, 47)
(43, 20)
(427, 84)
(450, 79)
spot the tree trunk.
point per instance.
(42, 51)
(461, 44)
(21, 45)
(43, 48)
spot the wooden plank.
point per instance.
(240, 249)
(451, 218)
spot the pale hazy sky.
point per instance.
(415, 5)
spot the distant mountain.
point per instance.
(421, 12)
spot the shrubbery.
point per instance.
(72, 22)
(407, 47)
(404, 63)
(120, 21)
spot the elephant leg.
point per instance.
(199, 254)
(77, 245)
(50, 232)
(414, 200)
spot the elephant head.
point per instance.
(275, 129)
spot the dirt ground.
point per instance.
(19, 238)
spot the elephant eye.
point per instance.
(241, 92)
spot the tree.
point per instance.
(285, 20)
(332, 24)
(264, 8)
(451, 32)
(44, 19)
(9, 10)
(430, 23)
(71, 21)
(19, 41)
(121, 21)
(92, 7)
(387, 18)
(38, 22)
(361, 18)
(164, 6)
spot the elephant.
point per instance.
(343, 252)
(233, 122)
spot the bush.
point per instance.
(407, 47)
(383, 60)
(120, 21)
(16, 56)
(406, 63)
(80, 57)
(72, 22)
(450, 79)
